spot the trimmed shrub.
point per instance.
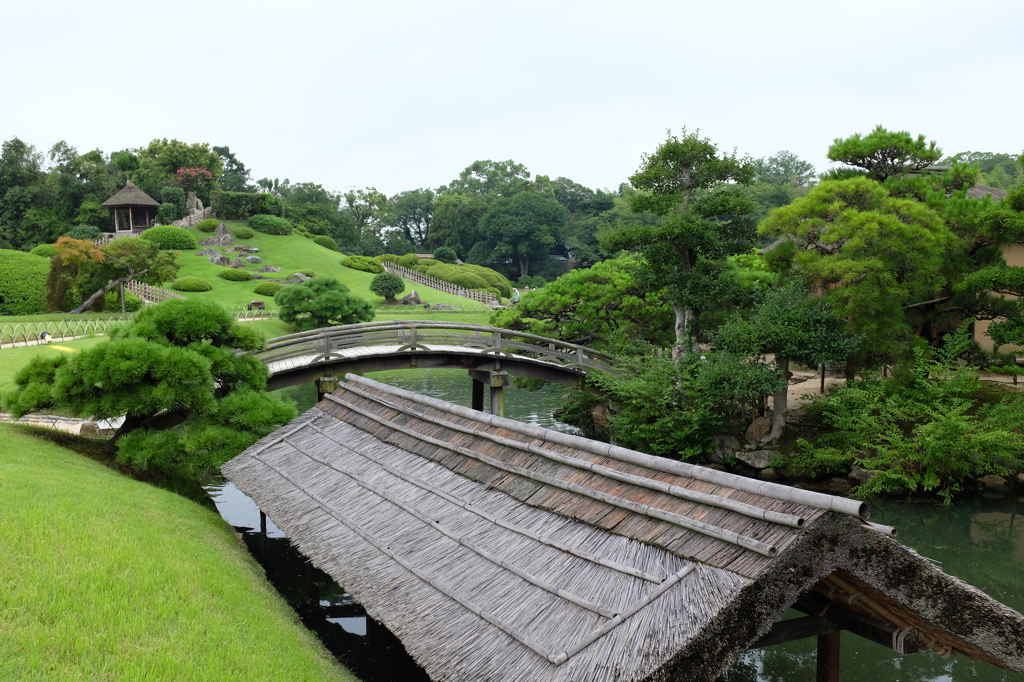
(191, 284)
(458, 276)
(169, 238)
(387, 285)
(112, 301)
(389, 257)
(175, 196)
(364, 263)
(45, 250)
(307, 273)
(242, 205)
(321, 302)
(84, 232)
(166, 214)
(267, 288)
(445, 254)
(326, 242)
(408, 260)
(22, 283)
(235, 275)
(208, 225)
(492, 277)
(270, 224)
(244, 232)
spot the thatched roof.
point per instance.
(497, 550)
(981, 191)
(130, 196)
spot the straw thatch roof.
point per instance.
(497, 550)
(130, 196)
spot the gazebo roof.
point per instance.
(130, 196)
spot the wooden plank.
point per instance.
(794, 629)
(828, 657)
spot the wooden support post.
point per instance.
(263, 523)
(325, 385)
(498, 382)
(478, 394)
(828, 657)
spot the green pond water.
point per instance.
(978, 540)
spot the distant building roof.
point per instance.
(130, 196)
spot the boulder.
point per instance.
(257, 276)
(725, 445)
(238, 263)
(600, 415)
(994, 484)
(758, 459)
(89, 429)
(768, 474)
(254, 259)
(860, 476)
(297, 278)
(210, 241)
(247, 249)
(270, 268)
(211, 252)
(758, 429)
(220, 260)
(225, 240)
(411, 299)
(220, 230)
(838, 485)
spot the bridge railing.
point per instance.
(412, 335)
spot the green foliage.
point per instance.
(176, 197)
(409, 260)
(112, 301)
(321, 302)
(166, 214)
(307, 273)
(208, 225)
(267, 288)
(90, 213)
(524, 228)
(191, 284)
(169, 238)
(494, 279)
(445, 254)
(363, 263)
(235, 275)
(244, 232)
(269, 224)
(387, 285)
(22, 283)
(84, 232)
(45, 250)
(326, 242)
(931, 431)
(885, 153)
(244, 205)
(458, 275)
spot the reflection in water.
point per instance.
(978, 540)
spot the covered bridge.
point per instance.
(497, 550)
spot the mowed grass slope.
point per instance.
(107, 578)
(293, 253)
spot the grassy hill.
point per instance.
(293, 253)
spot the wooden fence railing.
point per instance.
(71, 327)
(439, 284)
(149, 293)
(420, 335)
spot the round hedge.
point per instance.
(267, 288)
(244, 232)
(387, 285)
(169, 238)
(191, 284)
(235, 275)
(208, 225)
(45, 250)
(364, 263)
(22, 283)
(408, 260)
(326, 242)
(445, 254)
(270, 224)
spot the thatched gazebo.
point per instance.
(497, 550)
(133, 209)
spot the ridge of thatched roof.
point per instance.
(130, 196)
(497, 550)
(981, 191)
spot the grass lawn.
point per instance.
(292, 253)
(108, 578)
(13, 359)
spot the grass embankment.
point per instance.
(293, 253)
(108, 578)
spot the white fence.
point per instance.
(485, 297)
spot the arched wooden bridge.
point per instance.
(405, 344)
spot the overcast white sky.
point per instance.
(400, 94)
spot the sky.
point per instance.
(399, 94)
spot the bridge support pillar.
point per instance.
(326, 385)
(497, 380)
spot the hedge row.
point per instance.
(269, 224)
(235, 275)
(170, 238)
(243, 205)
(364, 263)
(22, 283)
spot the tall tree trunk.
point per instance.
(113, 283)
(780, 402)
(683, 317)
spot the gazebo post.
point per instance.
(828, 657)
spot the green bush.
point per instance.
(169, 238)
(243, 205)
(244, 232)
(208, 225)
(321, 302)
(307, 273)
(235, 275)
(389, 257)
(22, 283)
(387, 285)
(191, 284)
(455, 274)
(166, 214)
(112, 301)
(84, 232)
(269, 224)
(175, 196)
(267, 288)
(364, 263)
(45, 250)
(445, 254)
(408, 260)
(493, 278)
(326, 242)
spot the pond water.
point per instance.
(978, 540)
